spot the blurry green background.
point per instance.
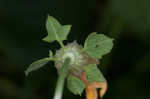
(22, 26)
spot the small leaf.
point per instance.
(50, 53)
(97, 45)
(55, 30)
(75, 85)
(36, 65)
(94, 74)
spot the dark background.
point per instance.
(22, 26)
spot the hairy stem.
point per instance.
(61, 44)
(61, 79)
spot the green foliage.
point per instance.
(97, 45)
(56, 31)
(36, 65)
(50, 53)
(94, 74)
(75, 85)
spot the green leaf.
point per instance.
(97, 45)
(75, 85)
(36, 65)
(50, 53)
(94, 74)
(55, 30)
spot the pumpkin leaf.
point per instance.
(97, 45)
(55, 30)
(75, 85)
(94, 74)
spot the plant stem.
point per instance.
(61, 79)
(61, 44)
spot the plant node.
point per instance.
(78, 59)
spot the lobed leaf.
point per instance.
(36, 65)
(55, 30)
(75, 85)
(97, 45)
